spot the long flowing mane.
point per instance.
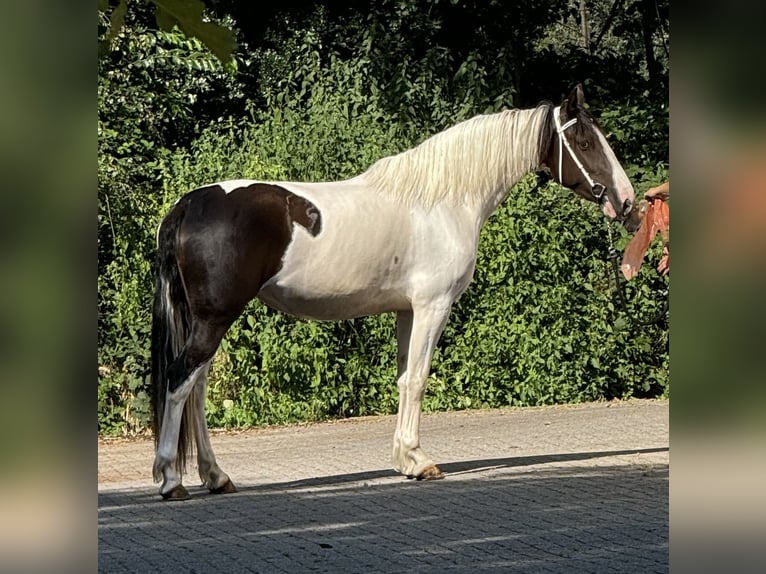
(467, 161)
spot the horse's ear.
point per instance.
(575, 100)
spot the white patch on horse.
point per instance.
(365, 260)
(622, 186)
(165, 457)
(231, 184)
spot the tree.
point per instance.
(187, 15)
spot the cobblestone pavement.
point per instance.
(535, 490)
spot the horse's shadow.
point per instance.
(452, 468)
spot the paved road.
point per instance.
(535, 490)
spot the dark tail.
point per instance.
(171, 319)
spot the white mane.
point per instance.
(465, 163)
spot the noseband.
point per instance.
(597, 189)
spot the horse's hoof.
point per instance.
(226, 488)
(177, 493)
(431, 473)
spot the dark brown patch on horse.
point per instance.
(230, 244)
(547, 134)
(227, 246)
(304, 212)
(581, 136)
(215, 250)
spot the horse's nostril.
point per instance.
(627, 205)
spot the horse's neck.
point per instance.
(490, 205)
(525, 162)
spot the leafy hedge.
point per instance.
(539, 324)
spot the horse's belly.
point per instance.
(348, 270)
(325, 306)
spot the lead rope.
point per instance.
(613, 256)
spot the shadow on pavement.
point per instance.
(466, 467)
(496, 515)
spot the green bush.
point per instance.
(540, 323)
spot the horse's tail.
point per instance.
(171, 319)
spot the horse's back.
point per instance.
(374, 254)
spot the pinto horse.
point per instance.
(401, 237)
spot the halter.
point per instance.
(597, 189)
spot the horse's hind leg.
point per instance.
(167, 448)
(186, 372)
(211, 474)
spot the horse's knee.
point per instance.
(401, 384)
(412, 384)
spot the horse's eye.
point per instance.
(583, 144)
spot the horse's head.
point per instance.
(580, 158)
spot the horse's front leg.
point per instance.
(417, 334)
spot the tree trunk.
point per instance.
(616, 6)
(584, 28)
(648, 25)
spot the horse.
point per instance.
(401, 237)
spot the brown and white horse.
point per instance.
(401, 237)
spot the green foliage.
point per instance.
(188, 16)
(540, 324)
(324, 110)
(638, 133)
(185, 15)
